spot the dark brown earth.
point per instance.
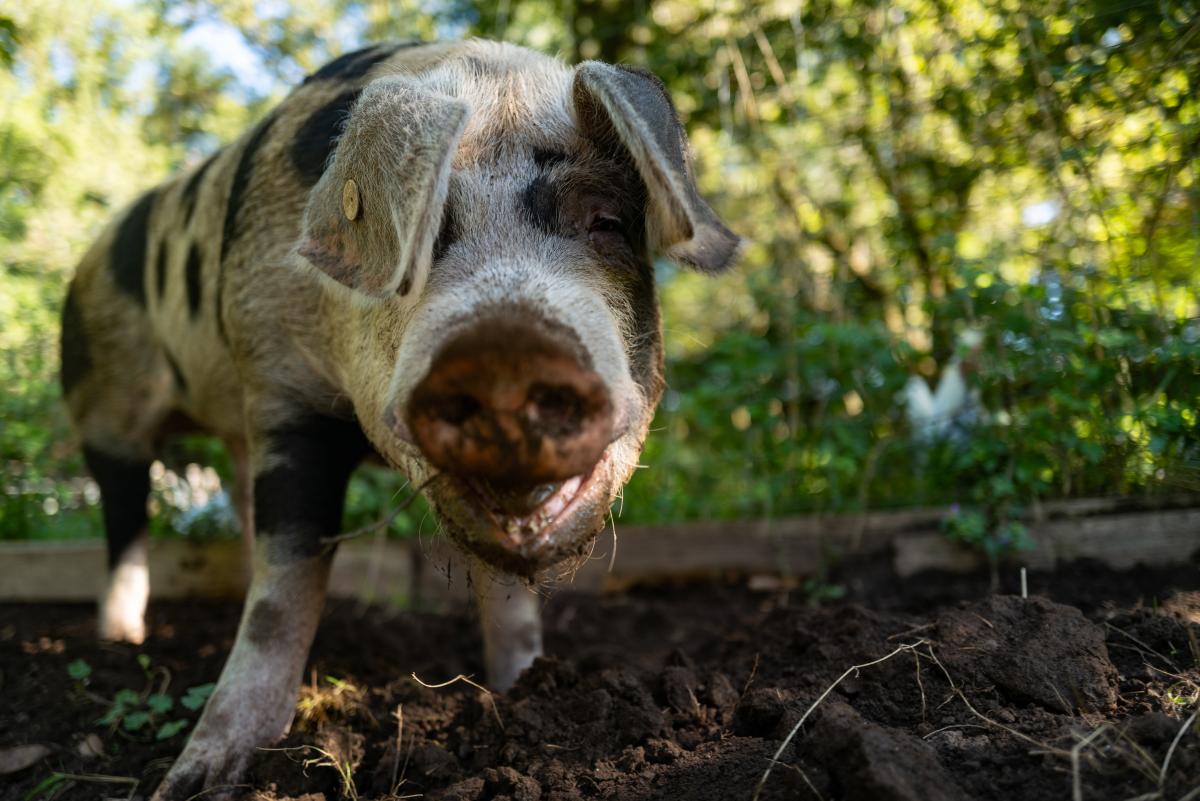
(675, 693)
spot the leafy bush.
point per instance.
(1071, 401)
(904, 171)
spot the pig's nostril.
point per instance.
(558, 409)
(510, 404)
(458, 409)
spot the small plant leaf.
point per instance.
(134, 721)
(79, 670)
(169, 730)
(195, 697)
(144, 661)
(127, 698)
(160, 703)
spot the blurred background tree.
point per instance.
(993, 195)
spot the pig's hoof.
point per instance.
(129, 631)
(123, 607)
(122, 625)
(211, 774)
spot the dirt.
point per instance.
(670, 692)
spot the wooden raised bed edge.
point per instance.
(1120, 532)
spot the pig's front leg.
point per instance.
(511, 617)
(256, 694)
(298, 496)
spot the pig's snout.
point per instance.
(512, 404)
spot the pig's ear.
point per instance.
(631, 106)
(372, 218)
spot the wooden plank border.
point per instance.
(426, 574)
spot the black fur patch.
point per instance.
(191, 190)
(545, 159)
(194, 288)
(540, 201)
(317, 137)
(264, 621)
(161, 270)
(354, 65)
(127, 258)
(231, 229)
(124, 485)
(447, 235)
(76, 358)
(180, 381)
(302, 497)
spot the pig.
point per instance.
(438, 255)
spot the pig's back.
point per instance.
(189, 290)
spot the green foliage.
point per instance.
(1066, 406)
(46, 785)
(196, 697)
(79, 670)
(904, 172)
(144, 711)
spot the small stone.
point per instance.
(19, 757)
(90, 747)
(351, 201)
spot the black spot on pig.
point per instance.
(194, 289)
(240, 185)
(231, 229)
(124, 484)
(354, 65)
(176, 373)
(76, 358)
(302, 495)
(264, 622)
(161, 269)
(447, 235)
(127, 258)
(317, 137)
(545, 159)
(192, 188)
(540, 201)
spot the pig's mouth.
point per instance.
(524, 530)
(526, 518)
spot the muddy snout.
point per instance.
(512, 404)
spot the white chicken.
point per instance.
(954, 404)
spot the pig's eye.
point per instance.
(605, 229)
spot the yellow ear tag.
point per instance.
(351, 202)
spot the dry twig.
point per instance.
(466, 680)
(853, 669)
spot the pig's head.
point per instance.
(505, 209)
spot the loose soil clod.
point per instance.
(678, 693)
